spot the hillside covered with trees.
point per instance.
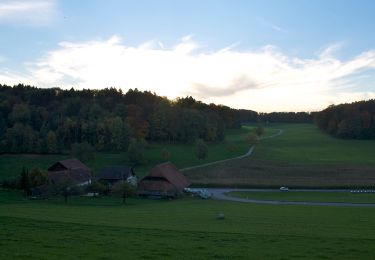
(349, 121)
(51, 120)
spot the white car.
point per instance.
(284, 189)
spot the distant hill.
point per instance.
(349, 121)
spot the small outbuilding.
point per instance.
(71, 170)
(164, 180)
(109, 175)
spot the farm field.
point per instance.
(181, 155)
(102, 228)
(305, 196)
(306, 144)
(301, 156)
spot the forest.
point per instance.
(51, 120)
(286, 117)
(348, 121)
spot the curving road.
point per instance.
(220, 194)
(248, 153)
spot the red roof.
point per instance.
(170, 172)
(163, 178)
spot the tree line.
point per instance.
(348, 121)
(51, 120)
(286, 117)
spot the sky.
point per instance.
(268, 55)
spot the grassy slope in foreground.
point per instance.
(183, 229)
(307, 196)
(182, 155)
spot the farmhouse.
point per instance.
(112, 174)
(71, 170)
(163, 180)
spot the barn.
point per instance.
(109, 175)
(164, 180)
(71, 170)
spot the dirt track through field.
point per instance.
(247, 154)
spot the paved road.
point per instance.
(220, 195)
(248, 153)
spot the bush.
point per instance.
(165, 154)
(12, 183)
(96, 187)
(123, 190)
(259, 130)
(136, 151)
(251, 139)
(201, 149)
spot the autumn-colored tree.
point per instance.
(251, 139)
(259, 130)
(201, 149)
(38, 177)
(230, 146)
(138, 125)
(51, 142)
(165, 154)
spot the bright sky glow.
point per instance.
(59, 47)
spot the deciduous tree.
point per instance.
(201, 149)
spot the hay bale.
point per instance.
(220, 216)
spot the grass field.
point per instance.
(301, 157)
(181, 155)
(102, 228)
(306, 144)
(307, 196)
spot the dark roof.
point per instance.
(69, 164)
(169, 172)
(115, 172)
(69, 170)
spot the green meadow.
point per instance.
(306, 144)
(103, 228)
(302, 156)
(188, 228)
(183, 155)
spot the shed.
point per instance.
(164, 180)
(71, 170)
(112, 174)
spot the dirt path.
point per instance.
(248, 153)
(220, 194)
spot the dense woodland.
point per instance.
(349, 121)
(35, 120)
(286, 117)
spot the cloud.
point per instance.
(28, 12)
(263, 79)
(236, 85)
